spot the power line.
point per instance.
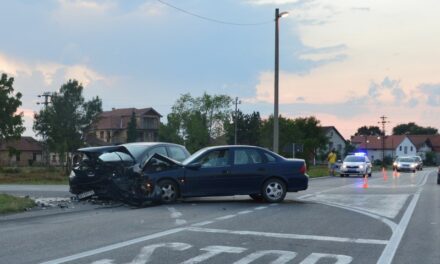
(213, 19)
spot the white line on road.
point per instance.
(113, 247)
(391, 248)
(260, 208)
(290, 236)
(203, 223)
(244, 212)
(225, 217)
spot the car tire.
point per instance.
(369, 174)
(438, 179)
(168, 191)
(256, 197)
(274, 191)
(342, 175)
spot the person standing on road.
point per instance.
(331, 158)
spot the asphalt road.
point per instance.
(389, 219)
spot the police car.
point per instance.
(356, 164)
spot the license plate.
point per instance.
(86, 194)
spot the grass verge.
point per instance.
(317, 171)
(32, 175)
(12, 204)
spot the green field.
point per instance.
(11, 204)
(32, 175)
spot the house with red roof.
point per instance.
(25, 151)
(111, 127)
(397, 145)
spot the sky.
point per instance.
(344, 62)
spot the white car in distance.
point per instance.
(357, 164)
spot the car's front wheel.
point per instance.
(274, 191)
(168, 191)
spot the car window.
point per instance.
(241, 157)
(116, 156)
(354, 159)
(177, 153)
(269, 157)
(247, 156)
(216, 158)
(159, 150)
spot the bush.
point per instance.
(11, 170)
(430, 158)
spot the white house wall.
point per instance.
(406, 148)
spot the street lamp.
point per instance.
(278, 15)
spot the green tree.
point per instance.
(305, 132)
(11, 122)
(131, 129)
(248, 129)
(369, 131)
(64, 122)
(208, 113)
(412, 128)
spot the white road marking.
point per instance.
(284, 256)
(315, 257)
(213, 251)
(146, 252)
(113, 247)
(290, 236)
(260, 208)
(225, 217)
(244, 212)
(180, 222)
(203, 223)
(379, 204)
(391, 248)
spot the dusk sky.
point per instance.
(345, 62)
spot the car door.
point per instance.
(207, 178)
(247, 172)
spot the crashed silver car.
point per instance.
(114, 171)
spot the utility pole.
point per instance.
(383, 122)
(46, 96)
(276, 131)
(237, 102)
(45, 103)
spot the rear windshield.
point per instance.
(355, 159)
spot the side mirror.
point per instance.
(194, 166)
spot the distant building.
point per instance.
(111, 127)
(25, 151)
(398, 145)
(335, 139)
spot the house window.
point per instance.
(17, 157)
(54, 158)
(400, 148)
(108, 136)
(101, 134)
(34, 156)
(411, 148)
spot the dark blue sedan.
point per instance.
(223, 171)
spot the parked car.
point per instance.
(224, 171)
(356, 164)
(405, 164)
(108, 171)
(419, 161)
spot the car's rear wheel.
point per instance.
(341, 175)
(274, 191)
(256, 196)
(168, 191)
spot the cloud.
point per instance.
(50, 70)
(431, 93)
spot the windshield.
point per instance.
(354, 159)
(406, 160)
(137, 151)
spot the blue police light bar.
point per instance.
(360, 154)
